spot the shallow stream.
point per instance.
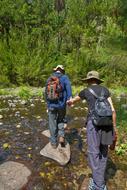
(21, 126)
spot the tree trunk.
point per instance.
(59, 5)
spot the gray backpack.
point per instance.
(102, 112)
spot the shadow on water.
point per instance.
(4, 154)
(110, 170)
(74, 135)
(21, 128)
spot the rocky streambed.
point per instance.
(21, 126)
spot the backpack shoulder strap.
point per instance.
(102, 92)
(92, 92)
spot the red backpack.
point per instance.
(53, 89)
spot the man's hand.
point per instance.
(70, 102)
(73, 100)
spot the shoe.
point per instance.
(91, 185)
(62, 144)
(105, 188)
(54, 146)
(62, 141)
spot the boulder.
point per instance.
(46, 133)
(1, 116)
(60, 154)
(13, 175)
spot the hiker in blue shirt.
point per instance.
(98, 137)
(57, 106)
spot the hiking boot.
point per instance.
(91, 185)
(62, 144)
(62, 141)
(105, 188)
(54, 146)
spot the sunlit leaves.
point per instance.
(6, 146)
(82, 35)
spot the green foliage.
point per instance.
(76, 89)
(24, 93)
(117, 90)
(4, 92)
(40, 92)
(84, 35)
(122, 149)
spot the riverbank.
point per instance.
(28, 91)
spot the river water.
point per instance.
(21, 126)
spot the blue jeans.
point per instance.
(97, 156)
(56, 119)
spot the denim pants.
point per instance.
(97, 156)
(56, 119)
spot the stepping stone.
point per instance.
(60, 154)
(13, 175)
(46, 133)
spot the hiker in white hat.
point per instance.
(58, 91)
(59, 68)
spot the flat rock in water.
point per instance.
(46, 133)
(60, 154)
(13, 175)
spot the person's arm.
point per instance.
(112, 146)
(76, 99)
(68, 88)
(113, 115)
(73, 100)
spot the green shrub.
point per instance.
(122, 149)
(76, 89)
(24, 92)
(3, 92)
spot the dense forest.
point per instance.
(83, 35)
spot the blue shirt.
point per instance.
(67, 92)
